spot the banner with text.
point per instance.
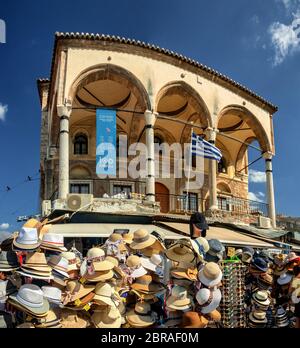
(106, 130)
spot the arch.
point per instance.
(192, 97)
(162, 196)
(240, 156)
(80, 171)
(223, 187)
(114, 73)
(253, 123)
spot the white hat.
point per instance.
(209, 300)
(53, 241)
(296, 296)
(284, 279)
(200, 245)
(52, 293)
(210, 275)
(104, 293)
(179, 299)
(59, 264)
(27, 238)
(133, 262)
(72, 260)
(153, 263)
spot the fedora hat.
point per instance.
(72, 260)
(51, 321)
(52, 241)
(141, 315)
(215, 252)
(8, 261)
(193, 320)
(142, 239)
(52, 294)
(135, 267)
(179, 299)
(36, 261)
(258, 317)
(247, 254)
(6, 288)
(59, 264)
(145, 284)
(210, 275)
(200, 246)
(261, 297)
(181, 251)
(71, 319)
(31, 298)
(75, 290)
(27, 239)
(284, 279)
(33, 223)
(208, 300)
(104, 292)
(260, 264)
(265, 279)
(109, 318)
(154, 263)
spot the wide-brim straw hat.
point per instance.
(210, 275)
(76, 290)
(185, 271)
(180, 252)
(128, 238)
(139, 320)
(34, 274)
(103, 266)
(179, 299)
(71, 320)
(99, 276)
(155, 248)
(193, 320)
(142, 239)
(145, 284)
(109, 318)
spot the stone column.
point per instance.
(64, 112)
(270, 187)
(212, 172)
(150, 118)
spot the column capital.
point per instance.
(267, 155)
(64, 110)
(211, 133)
(150, 117)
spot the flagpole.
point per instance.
(189, 172)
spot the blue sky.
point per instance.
(254, 42)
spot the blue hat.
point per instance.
(215, 252)
(260, 263)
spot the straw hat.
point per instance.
(133, 262)
(70, 319)
(258, 316)
(99, 276)
(27, 239)
(154, 249)
(51, 321)
(33, 223)
(215, 315)
(52, 241)
(179, 299)
(128, 238)
(72, 260)
(140, 316)
(185, 271)
(153, 264)
(284, 279)
(174, 318)
(191, 320)
(142, 239)
(104, 293)
(266, 278)
(209, 300)
(75, 290)
(261, 297)
(145, 284)
(59, 264)
(210, 275)
(110, 318)
(30, 297)
(181, 251)
(280, 260)
(97, 256)
(8, 261)
(36, 266)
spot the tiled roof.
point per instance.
(122, 40)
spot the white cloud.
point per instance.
(257, 176)
(255, 19)
(259, 196)
(285, 38)
(290, 5)
(4, 226)
(3, 111)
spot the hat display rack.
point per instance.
(232, 305)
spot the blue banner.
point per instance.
(106, 135)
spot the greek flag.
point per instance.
(203, 148)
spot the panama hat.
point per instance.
(141, 315)
(154, 263)
(260, 263)
(142, 239)
(193, 320)
(247, 254)
(215, 252)
(52, 294)
(104, 293)
(258, 317)
(37, 262)
(200, 246)
(71, 319)
(27, 239)
(59, 264)
(31, 297)
(51, 321)
(284, 279)
(181, 251)
(281, 317)
(295, 297)
(135, 268)
(8, 261)
(145, 284)
(179, 299)
(75, 290)
(209, 300)
(109, 318)
(210, 275)
(261, 297)
(72, 260)
(52, 241)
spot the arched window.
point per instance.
(158, 140)
(222, 166)
(81, 144)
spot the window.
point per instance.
(224, 203)
(222, 166)
(81, 144)
(80, 188)
(122, 188)
(192, 204)
(157, 142)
